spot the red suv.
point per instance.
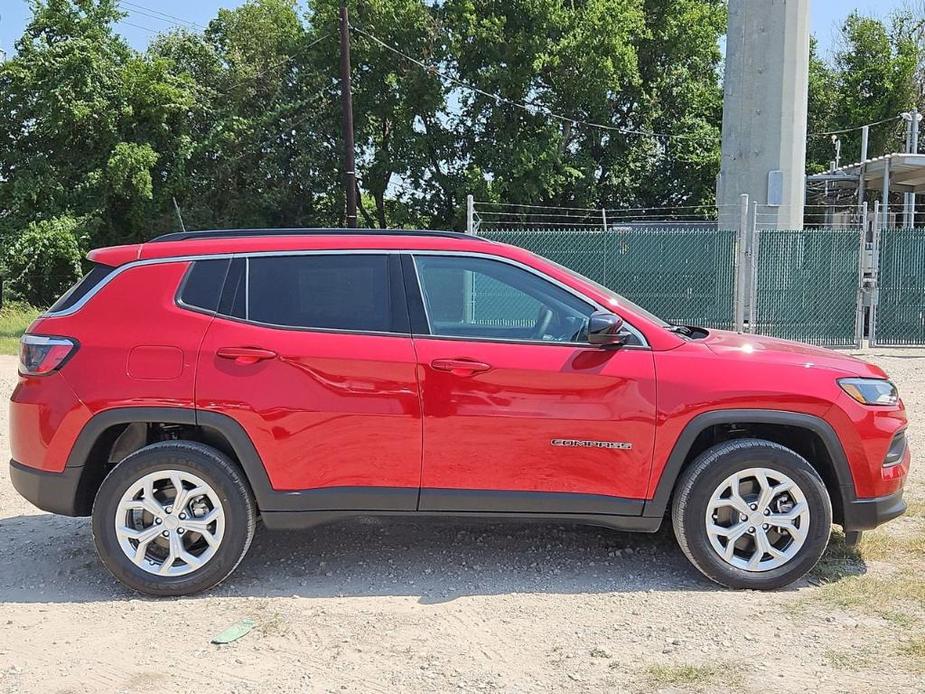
(189, 385)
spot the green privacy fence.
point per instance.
(898, 315)
(684, 275)
(807, 285)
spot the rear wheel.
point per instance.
(752, 514)
(173, 518)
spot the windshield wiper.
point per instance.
(682, 329)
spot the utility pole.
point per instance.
(350, 174)
(912, 118)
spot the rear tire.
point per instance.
(752, 514)
(157, 549)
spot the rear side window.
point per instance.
(327, 291)
(202, 287)
(83, 287)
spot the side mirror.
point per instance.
(604, 329)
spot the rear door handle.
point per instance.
(245, 355)
(460, 367)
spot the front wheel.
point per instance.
(752, 514)
(173, 518)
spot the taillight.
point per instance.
(41, 354)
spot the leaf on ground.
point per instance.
(234, 632)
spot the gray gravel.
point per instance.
(428, 605)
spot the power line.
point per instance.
(851, 130)
(164, 17)
(525, 105)
(139, 26)
(133, 13)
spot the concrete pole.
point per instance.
(470, 214)
(764, 110)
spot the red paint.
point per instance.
(329, 410)
(339, 409)
(493, 429)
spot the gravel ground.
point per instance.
(376, 606)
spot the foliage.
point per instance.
(874, 75)
(43, 261)
(240, 123)
(15, 318)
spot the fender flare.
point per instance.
(226, 426)
(658, 504)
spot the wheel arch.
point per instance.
(833, 467)
(101, 435)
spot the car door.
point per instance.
(311, 353)
(520, 412)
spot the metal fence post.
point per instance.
(753, 270)
(470, 215)
(859, 311)
(741, 265)
(874, 277)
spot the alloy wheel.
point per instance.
(757, 519)
(170, 523)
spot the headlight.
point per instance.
(870, 391)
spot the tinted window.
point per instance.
(96, 275)
(202, 287)
(340, 292)
(478, 297)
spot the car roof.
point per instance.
(224, 241)
(240, 233)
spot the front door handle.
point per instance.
(460, 367)
(245, 355)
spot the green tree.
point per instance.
(43, 261)
(873, 77)
(628, 64)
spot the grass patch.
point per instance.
(839, 561)
(847, 661)
(916, 508)
(915, 651)
(692, 675)
(14, 319)
(842, 561)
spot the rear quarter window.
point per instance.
(202, 286)
(84, 286)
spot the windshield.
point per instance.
(615, 298)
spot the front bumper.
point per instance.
(55, 492)
(866, 514)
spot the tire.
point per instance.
(798, 543)
(218, 502)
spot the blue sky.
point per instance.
(140, 25)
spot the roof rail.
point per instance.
(238, 233)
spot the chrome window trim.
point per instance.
(352, 251)
(644, 343)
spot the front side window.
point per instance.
(324, 291)
(473, 297)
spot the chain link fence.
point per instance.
(811, 285)
(898, 314)
(808, 285)
(684, 275)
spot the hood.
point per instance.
(773, 350)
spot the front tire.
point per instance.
(173, 518)
(752, 514)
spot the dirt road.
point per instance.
(435, 606)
